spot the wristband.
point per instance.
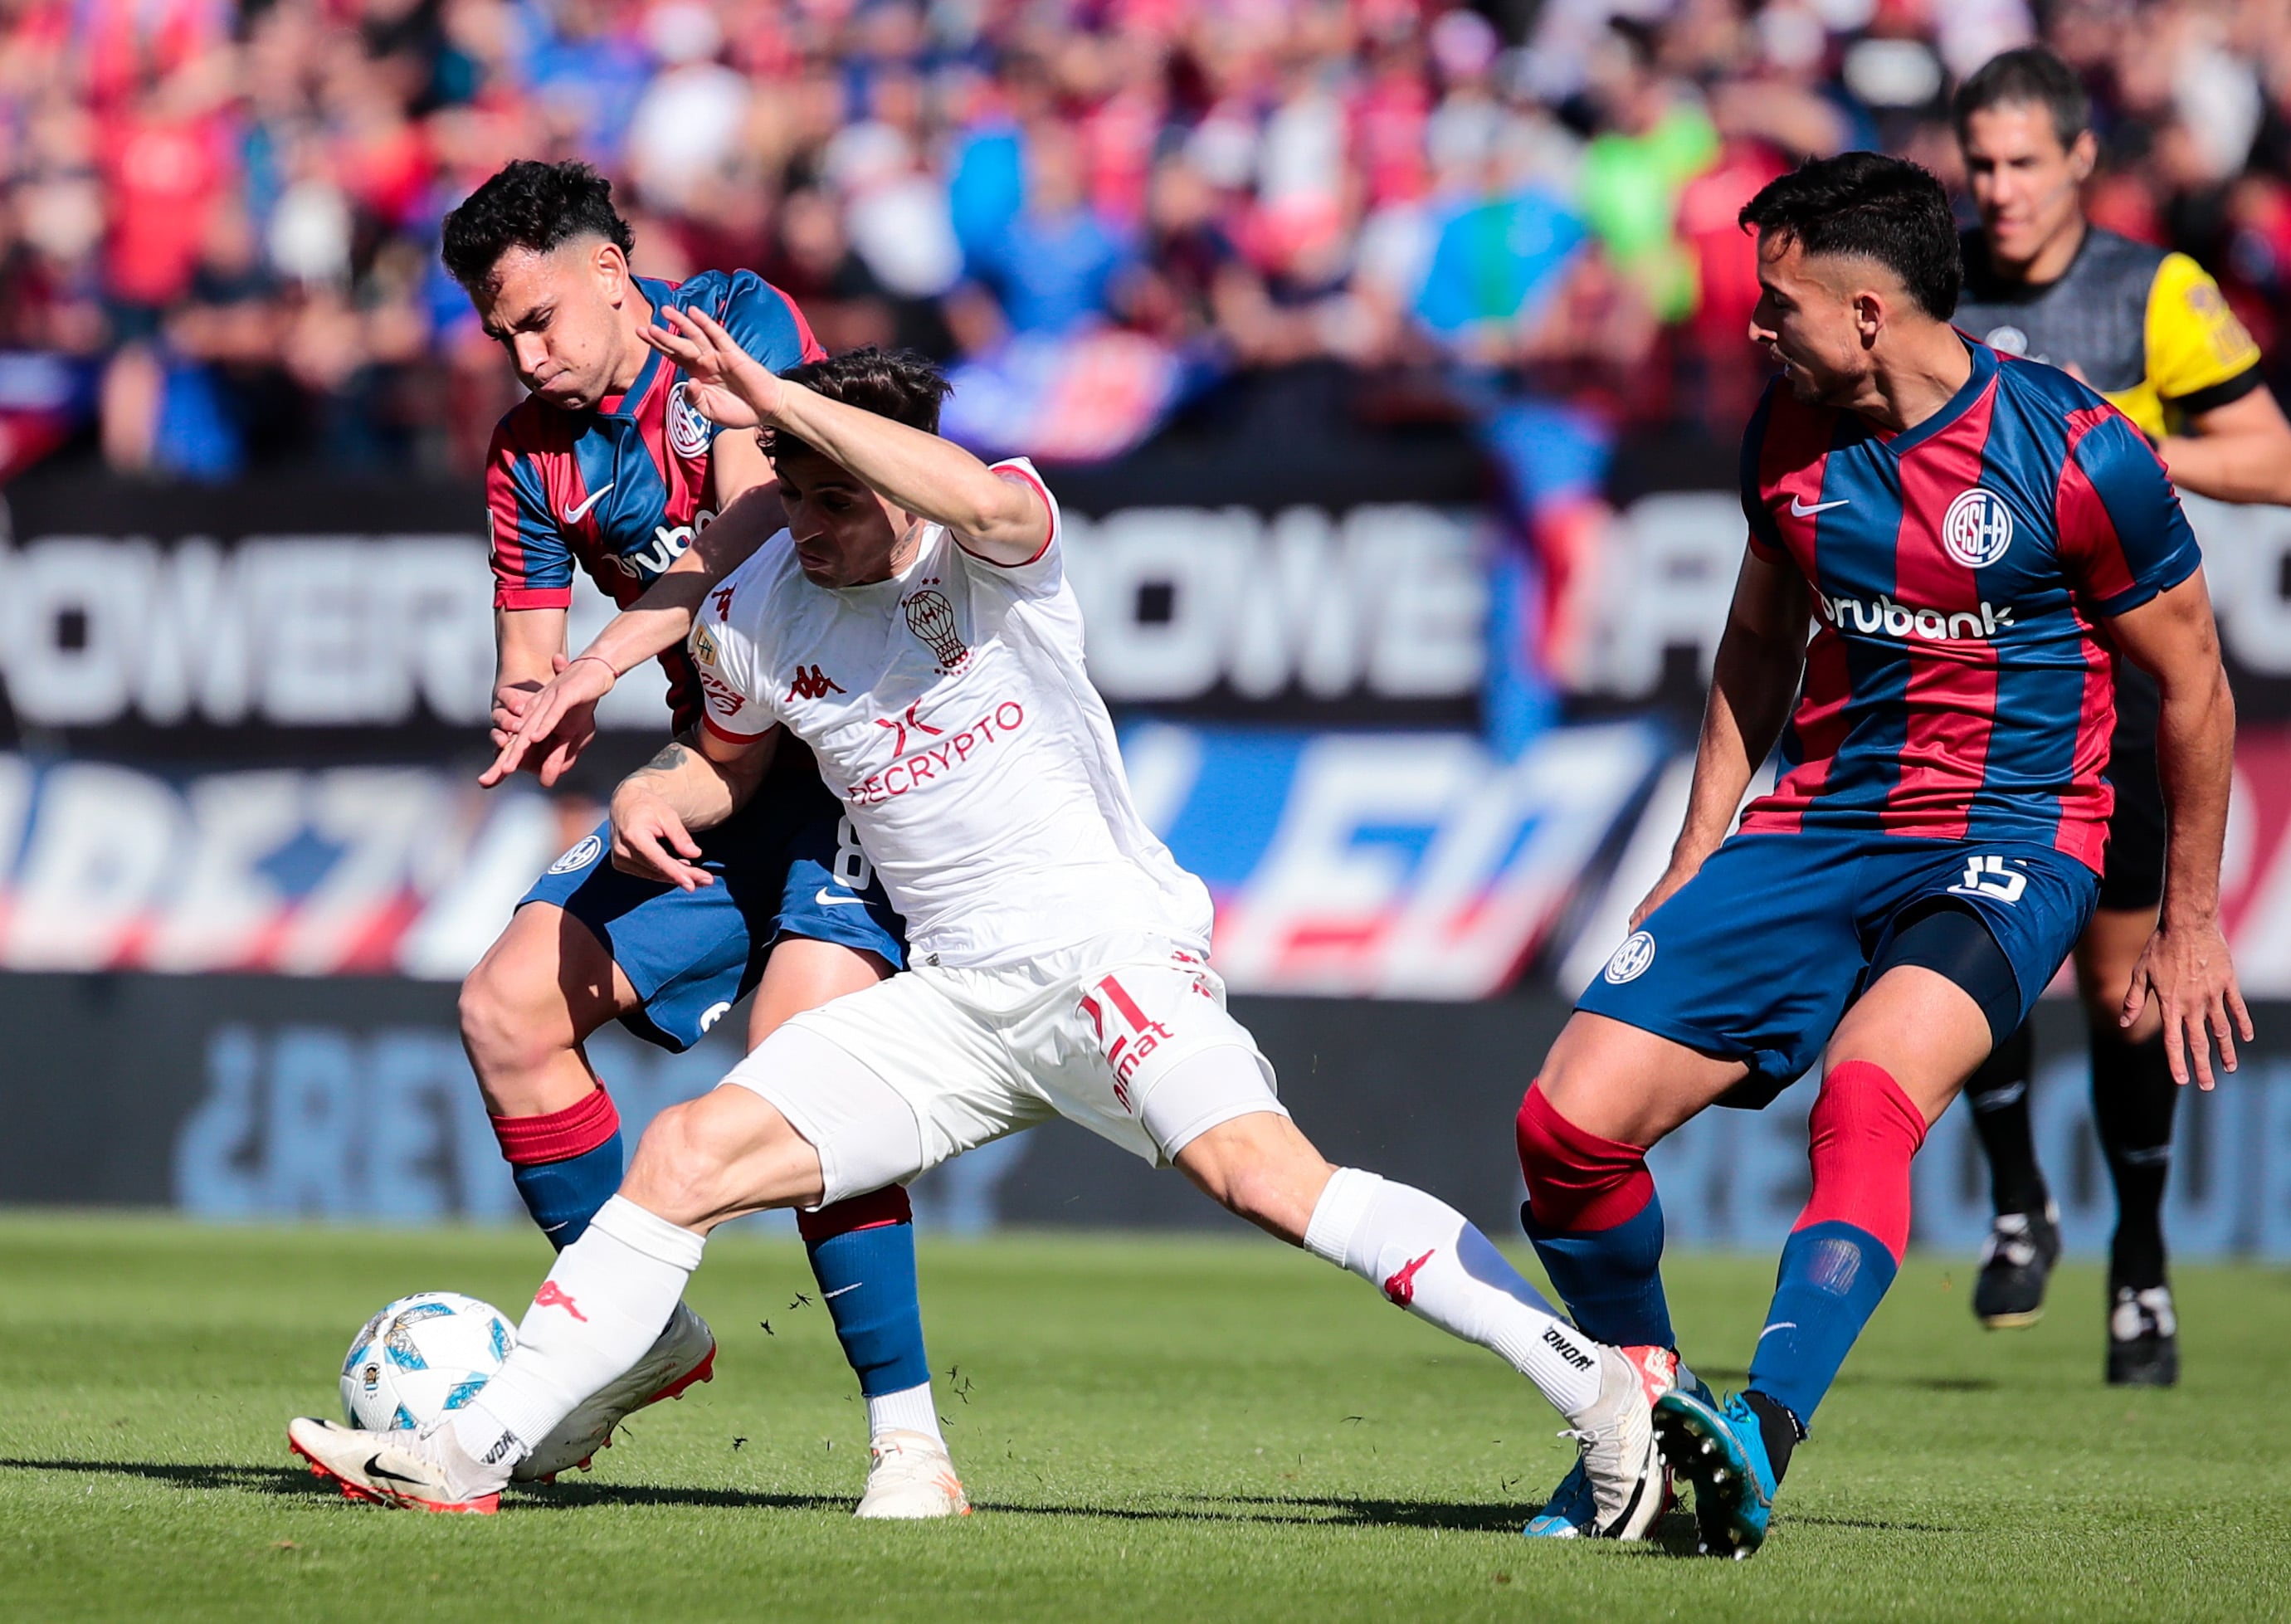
(599, 658)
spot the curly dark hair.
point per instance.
(533, 205)
(1882, 208)
(899, 384)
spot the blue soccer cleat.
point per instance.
(1722, 1454)
(1570, 1513)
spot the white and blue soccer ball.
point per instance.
(422, 1356)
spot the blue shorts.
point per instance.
(787, 865)
(1757, 957)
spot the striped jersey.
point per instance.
(622, 489)
(1959, 683)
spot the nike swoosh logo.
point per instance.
(839, 1290)
(1777, 1325)
(1798, 510)
(825, 901)
(374, 1469)
(573, 516)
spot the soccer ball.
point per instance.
(421, 1356)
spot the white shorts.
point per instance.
(889, 1082)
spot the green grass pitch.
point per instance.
(1164, 1429)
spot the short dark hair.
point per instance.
(896, 383)
(532, 205)
(2031, 77)
(1881, 208)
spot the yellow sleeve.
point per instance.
(2194, 340)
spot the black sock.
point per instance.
(1778, 1429)
(1998, 1094)
(2133, 1099)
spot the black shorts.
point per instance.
(2133, 876)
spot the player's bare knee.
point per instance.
(505, 1031)
(681, 1169)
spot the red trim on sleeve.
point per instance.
(507, 597)
(1010, 471)
(726, 733)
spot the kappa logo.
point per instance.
(584, 852)
(931, 617)
(1977, 529)
(1399, 1285)
(1629, 961)
(722, 597)
(552, 1296)
(812, 683)
(689, 432)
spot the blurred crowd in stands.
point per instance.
(218, 227)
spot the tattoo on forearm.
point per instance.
(673, 755)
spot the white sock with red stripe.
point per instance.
(601, 1308)
(1430, 1259)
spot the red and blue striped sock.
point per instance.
(566, 1164)
(863, 1254)
(1597, 1223)
(1846, 1247)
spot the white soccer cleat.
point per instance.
(910, 1476)
(1629, 1481)
(685, 1352)
(427, 1470)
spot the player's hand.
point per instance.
(553, 725)
(1676, 875)
(650, 840)
(729, 386)
(2187, 970)
(511, 702)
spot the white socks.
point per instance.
(1425, 1256)
(910, 1409)
(601, 1308)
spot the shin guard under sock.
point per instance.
(601, 1308)
(1597, 1223)
(863, 1254)
(1998, 1094)
(1848, 1243)
(566, 1164)
(1428, 1258)
(2133, 1099)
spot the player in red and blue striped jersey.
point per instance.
(1975, 542)
(608, 466)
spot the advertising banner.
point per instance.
(349, 1100)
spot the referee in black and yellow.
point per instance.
(2149, 329)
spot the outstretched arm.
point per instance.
(936, 478)
(2185, 966)
(1752, 682)
(2240, 452)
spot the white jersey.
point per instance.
(950, 710)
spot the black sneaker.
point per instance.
(2144, 1339)
(2016, 1260)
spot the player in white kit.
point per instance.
(914, 627)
